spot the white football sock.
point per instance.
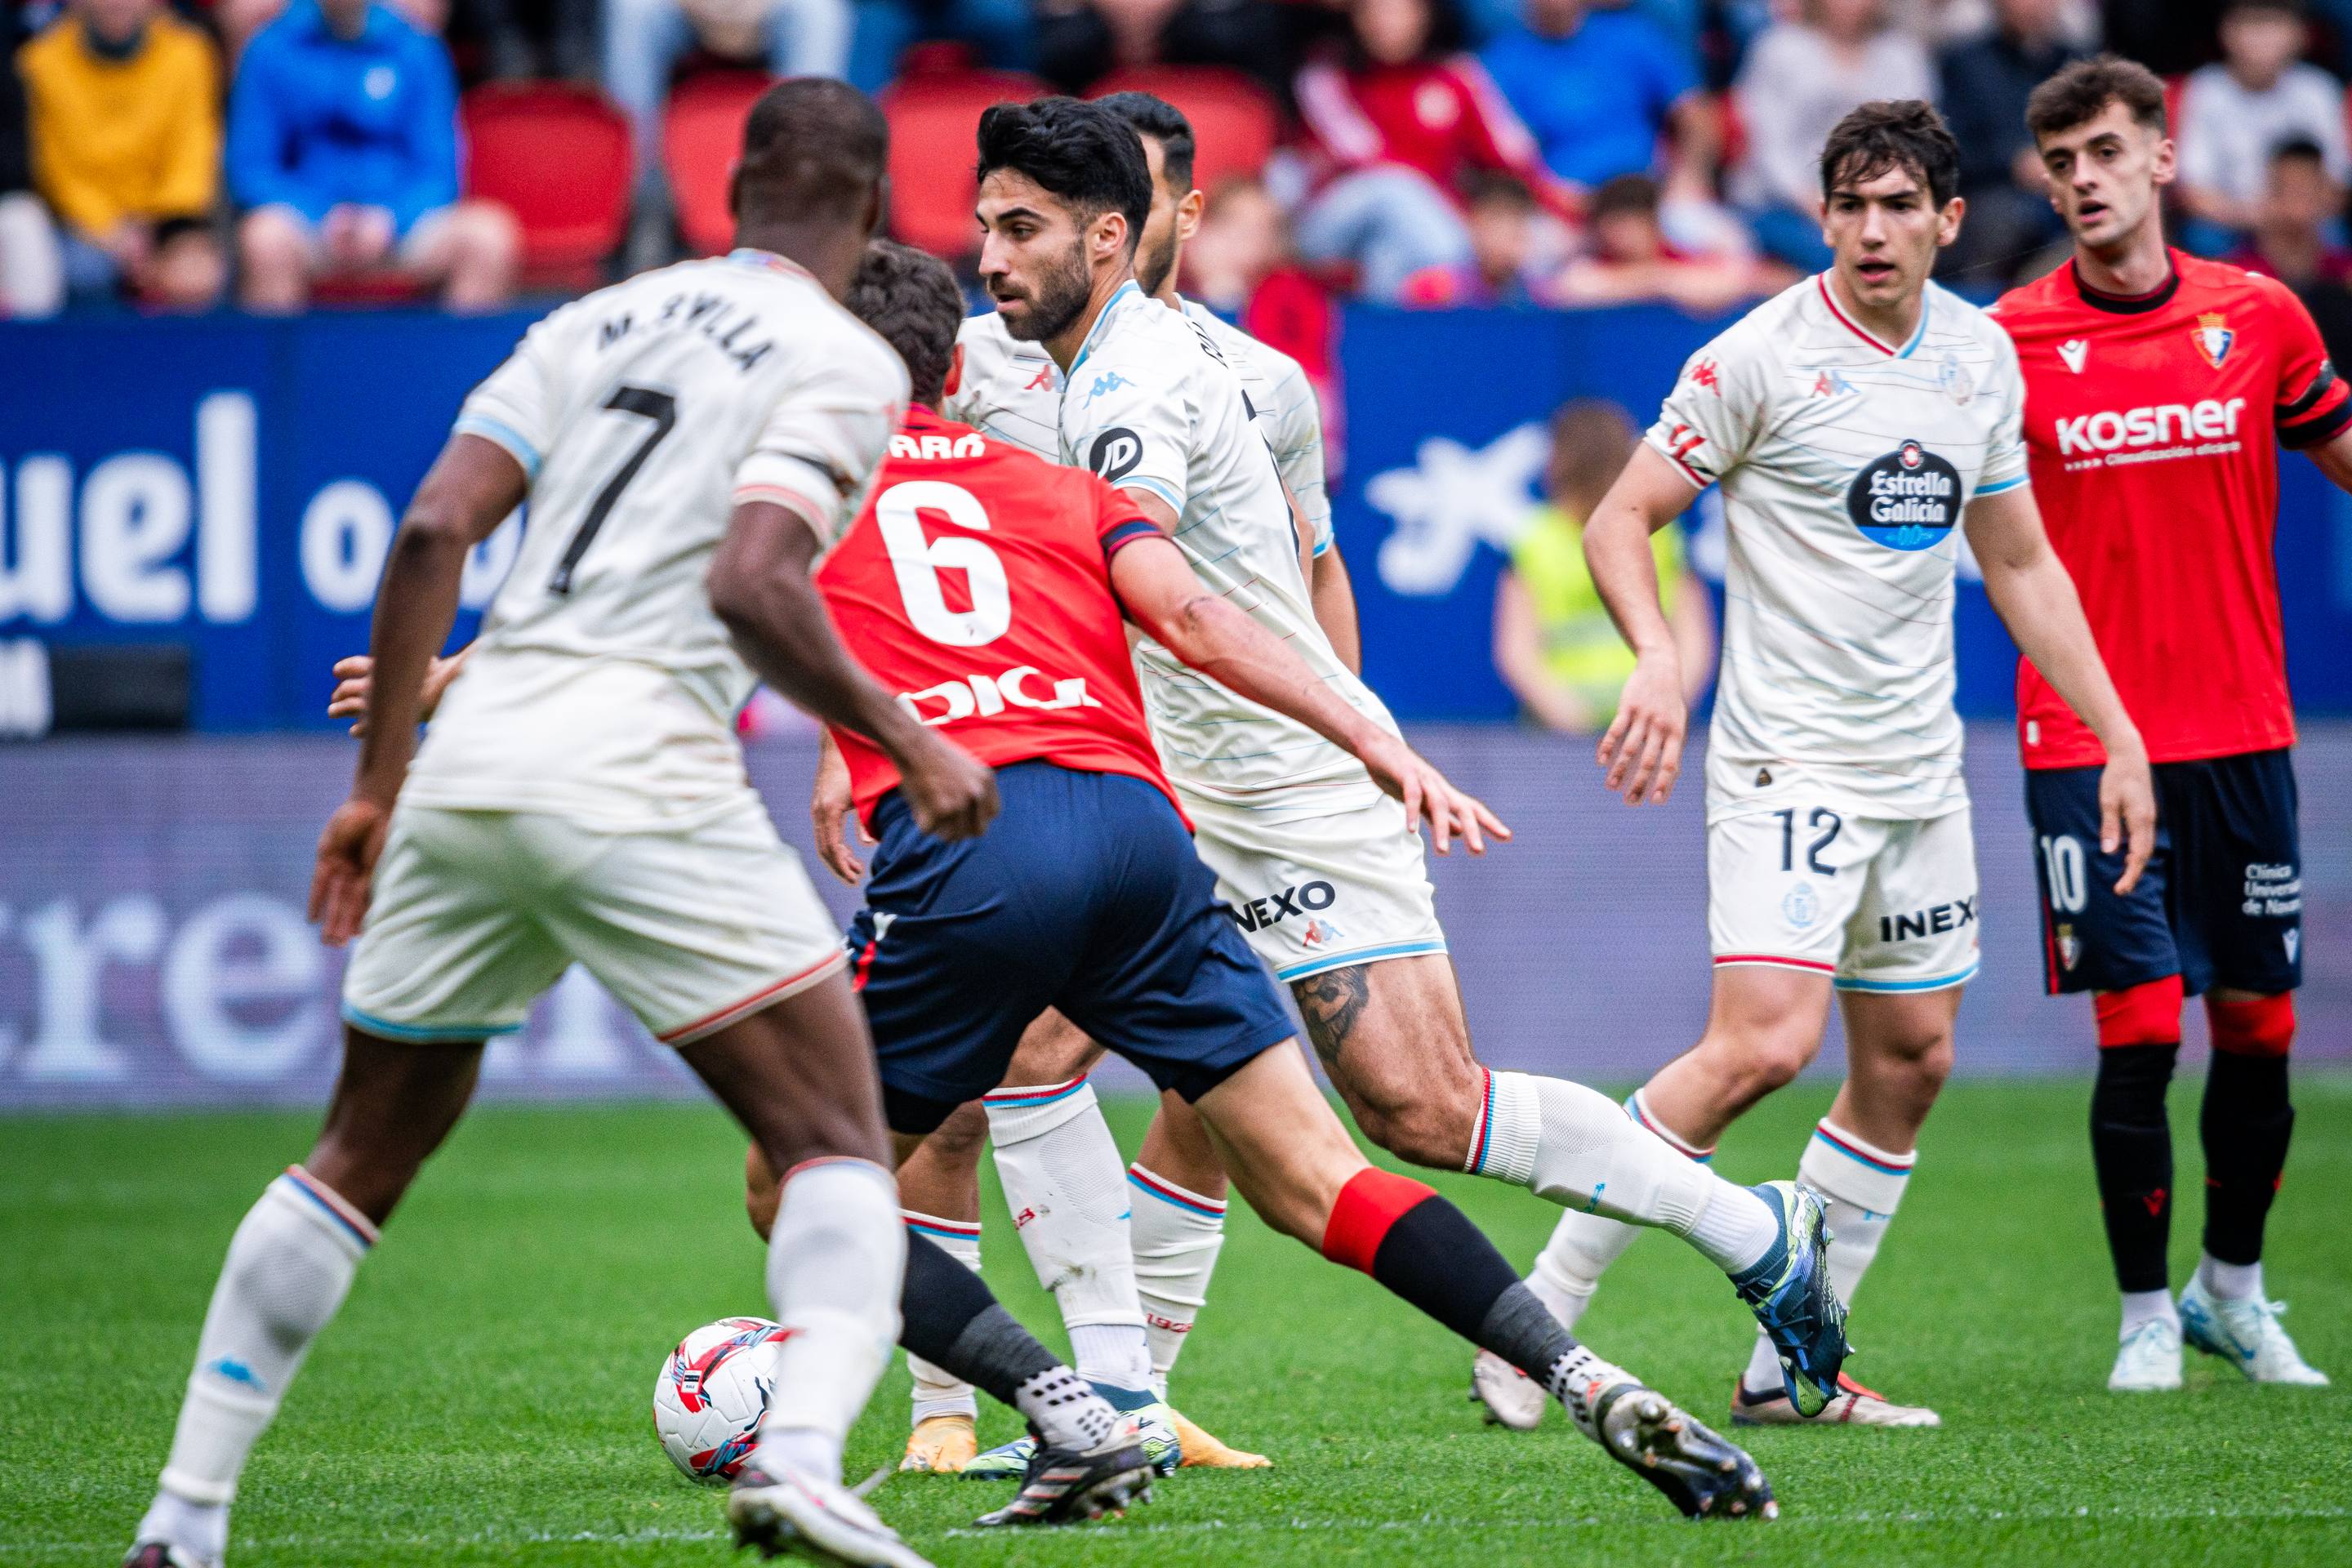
(1861, 1187)
(288, 1268)
(836, 1262)
(1569, 1144)
(2147, 1306)
(1582, 1246)
(2230, 1281)
(1177, 1233)
(937, 1390)
(1066, 1186)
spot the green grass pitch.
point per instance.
(484, 1396)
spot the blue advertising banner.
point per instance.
(230, 484)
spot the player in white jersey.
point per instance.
(688, 441)
(1853, 422)
(1149, 405)
(1124, 1254)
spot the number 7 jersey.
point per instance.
(603, 687)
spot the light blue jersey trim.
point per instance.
(1926, 308)
(2001, 488)
(1936, 982)
(1362, 955)
(1156, 487)
(506, 435)
(435, 1033)
(1110, 307)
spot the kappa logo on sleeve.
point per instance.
(1114, 453)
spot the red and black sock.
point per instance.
(2246, 1122)
(2131, 1142)
(1404, 1234)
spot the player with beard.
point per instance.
(2159, 388)
(1124, 1254)
(1325, 874)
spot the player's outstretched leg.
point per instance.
(2244, 1124)
(1392, 1036)
(1294, 1161)
(939, 1194)
(288, 1266)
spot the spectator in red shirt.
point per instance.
(1396, 118)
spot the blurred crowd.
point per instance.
(1544, 152)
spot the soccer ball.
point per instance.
(711, 1393)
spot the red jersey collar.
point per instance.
(2155, 298)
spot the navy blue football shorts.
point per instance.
(1084, 895)
(2220, 904)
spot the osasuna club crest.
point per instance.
(2212, 339)
(1908, 500)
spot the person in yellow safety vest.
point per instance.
(1554, 645)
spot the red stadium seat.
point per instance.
(702, 136)
(1234, 121)
(557, 156)
(932, 116)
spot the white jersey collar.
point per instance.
(1111, 308)
(1918, 333)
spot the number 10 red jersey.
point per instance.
(2153, 426)
(976, 587)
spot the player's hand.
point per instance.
(349, 698)
(832, 810)
(953, 793)
(348, 849)
(2127, 813)
(1430, 796)
(1641, 754)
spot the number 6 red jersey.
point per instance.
(2153, 426)
(976, 586)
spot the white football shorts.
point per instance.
(1319, 880)
(1877, 904)
(476, 913)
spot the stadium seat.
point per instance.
(557, 156)
(702, 134)
(1234, 121)
(932, 115)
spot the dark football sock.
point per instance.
(950, 1320)
(2245, 1124)
(2131, 1145)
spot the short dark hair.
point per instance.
(1482, 187)
(2081, 93)
(813, 147)
(910, 297)
(2290, 8)
(1164, 123)
(1893, 133)
(1082, 153)
(2299, 150)
(1625, 193)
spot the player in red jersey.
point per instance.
(993, 591)
(2159, 388)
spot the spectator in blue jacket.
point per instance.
(342, 151)
(1600, 87)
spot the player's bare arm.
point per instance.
(2036, 601)
(2333, 457)
(353, 676)
(1156, 585)
(469, 489)
(1334, 598)
(760, 588)
(1641, 753)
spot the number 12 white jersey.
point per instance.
(603, 687)
(1846, 463)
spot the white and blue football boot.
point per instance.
(2246, 1334)
(1789, 1290)
(1155, 1424)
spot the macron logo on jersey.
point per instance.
(2152, 424)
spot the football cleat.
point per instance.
(789, 1513)
(1790, 1294)
(162, 1554)
(1701, 1474)
(2246, 1334)
(1209, 1452)
(1512, 1398)
(1156, 1429)
(2148, 1360)
(1066, 1484)
(940, 1445)
(1852, 1404)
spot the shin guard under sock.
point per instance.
(2131, 1145)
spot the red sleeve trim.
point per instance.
(2318, 428)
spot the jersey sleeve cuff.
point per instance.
(498, 433)
(1697, 479)
(1138, 483)
(1126, 533)
(790, 483)
(2001, 486)
(2321, 427)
